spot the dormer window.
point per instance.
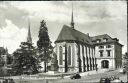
(116, 39)
(98, 40)
(105, 39)
(100, 47)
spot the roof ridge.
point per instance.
(100, 35)
(68, 33)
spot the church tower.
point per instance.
(72, 19)
(29, 38)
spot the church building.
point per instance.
(78, 52)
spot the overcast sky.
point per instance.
(93, 17)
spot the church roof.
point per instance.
(69, 34)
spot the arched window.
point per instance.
(105, 64)
(60, 56)
(69, 55)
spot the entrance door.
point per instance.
(105, 64)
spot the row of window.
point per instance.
(104, 40)
(61, 55)
(108, 53)
(107, 46)
(69, 54)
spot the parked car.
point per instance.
(75, 76)
(105, 80)
(117, 80)
(123, 71)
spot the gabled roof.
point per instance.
(104, 36)
(101, 37)
(68, 33)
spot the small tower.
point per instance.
(29, 39)
(72, 19)
(6, 50)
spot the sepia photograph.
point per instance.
(63, 41)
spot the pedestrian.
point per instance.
(122, 81)
(62, 76)
(107, 80)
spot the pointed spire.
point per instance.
(29, 39)
(6, 50)
(72, 19)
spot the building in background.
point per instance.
(108, 51)
(5, 57)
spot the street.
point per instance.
(93, 78)
(84, 79)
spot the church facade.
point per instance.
(75, 51)
(79, 52)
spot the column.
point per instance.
(81, 57)
(76, 61)
(85, 55)
(88, 59)
(94, 58)
(91, 58)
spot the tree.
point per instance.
(25, 60)
(1, 66)
(44, 45)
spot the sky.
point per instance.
(93, 17)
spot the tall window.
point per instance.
(108, 46)
(101, 53)
(69, 55)
(60, 55)
(108, 52)
(100, 47)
